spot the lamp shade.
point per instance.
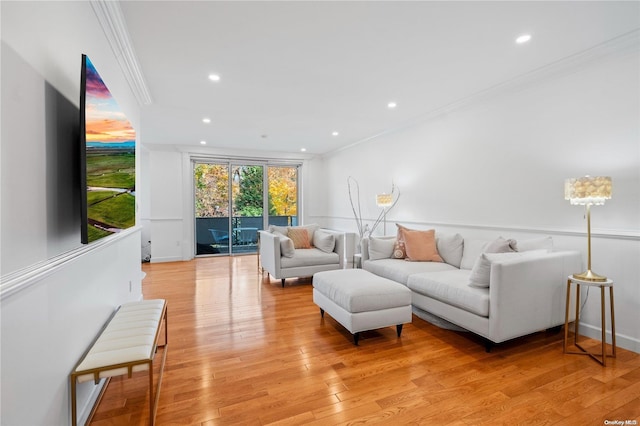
(587, 190)
(384, 200)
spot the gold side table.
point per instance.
(602, 356)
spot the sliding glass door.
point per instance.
(234, 201)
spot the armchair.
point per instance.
(281, 262)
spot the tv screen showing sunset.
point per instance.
(110, 149)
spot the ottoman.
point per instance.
(360, 300)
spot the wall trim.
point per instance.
(17, 281)
(602, 233)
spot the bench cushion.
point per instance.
(357, 290)
(128, 337)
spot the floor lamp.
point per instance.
(588, 191)
(385, 201)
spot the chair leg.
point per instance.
(399, 329)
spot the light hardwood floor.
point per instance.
(243, 350)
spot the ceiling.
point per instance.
(292, 73)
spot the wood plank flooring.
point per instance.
(243, 350)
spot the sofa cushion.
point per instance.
(472, 251)
(452, 287)
(381, 248)
(399, 270)
(300, 238)
(309, 257)
(421, 246)
(287, 249)
(324, 241)
(280, 230)
(450, 248)
(481, 273)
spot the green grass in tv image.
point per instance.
(110, 209)
(111, 171)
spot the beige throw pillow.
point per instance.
(421, 246)
(300, 238)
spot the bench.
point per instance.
(127, 344)
(360, 300)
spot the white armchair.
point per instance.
(282, 262)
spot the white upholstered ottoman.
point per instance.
(360, 300)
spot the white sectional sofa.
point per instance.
(280, 258)
(499, 296)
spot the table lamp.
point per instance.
(588, 191)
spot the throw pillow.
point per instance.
(399, 249)
(500, 245)
(481, 272)
(450, 248)
(281, 230)
(300, 238)
(311, 229)
(287, 249)
(421, 246)
(381, 248)
(324, 241)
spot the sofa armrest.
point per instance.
(528, 295)
(270, 252)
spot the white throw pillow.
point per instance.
(450, 248)
(381, 248)
(481, 272)
(287, 248)
(324, 241)
(279, 230)
(544, 243)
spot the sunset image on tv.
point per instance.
(110, 144)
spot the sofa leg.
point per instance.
(399, 329)
(322, 312)
(356, 337)
(488, 344)
(283, 283)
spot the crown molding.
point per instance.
(113, 24)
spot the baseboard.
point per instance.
(86, 410)
(622, 341)
(166, 259)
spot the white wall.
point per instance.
(55, 293)
(496, 165)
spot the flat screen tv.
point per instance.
(108, 160)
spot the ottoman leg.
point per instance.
(356, 337)
(399, 329)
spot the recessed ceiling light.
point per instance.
(214, 77)
(203, 142)
(206, 120)
(523, 38)
(335, 134)
(391, 105)
(303, 149)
